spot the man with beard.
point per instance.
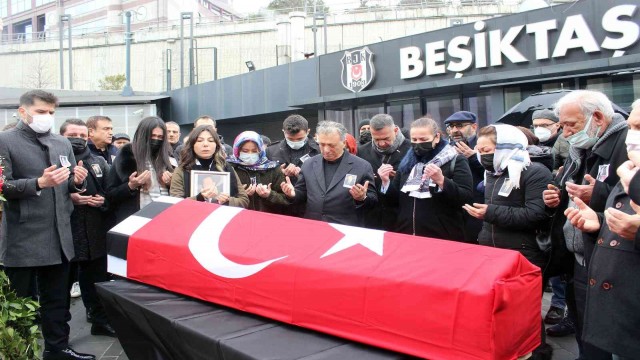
(547, 129)
(462, 127)
(88, 228)
(386, 149)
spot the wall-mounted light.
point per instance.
(250, 65)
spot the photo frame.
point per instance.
(201, 179)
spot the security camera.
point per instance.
(15, 115)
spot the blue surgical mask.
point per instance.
(581, 139)
(295, 145)
(249, 158)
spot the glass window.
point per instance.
(480, 104)
(404, 112)
(18, 6)
(4, 8)
(440, 108)
(343, 116)
(43, 2)
(367, 112)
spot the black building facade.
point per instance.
(485, 67)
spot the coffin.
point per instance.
(425, 297)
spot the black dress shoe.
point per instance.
(103, 329)
(554, 315)
(89, 317)
(66, 354)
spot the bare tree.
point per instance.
(39, 76)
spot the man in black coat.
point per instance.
(337, 186)
(388, 146)
(101, 137)
(462, 127)
(88, 227)
(596, 136)
(296, 148)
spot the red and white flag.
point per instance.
(425, 297)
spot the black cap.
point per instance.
(120, 136)
(462, 116)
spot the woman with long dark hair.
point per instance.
(204, 151)
(260, 176)
(142, 170)
(430, 186)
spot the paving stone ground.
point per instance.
(107, 348)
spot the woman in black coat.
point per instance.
(429, 207)
(142, 170)
(513, 208)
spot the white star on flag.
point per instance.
(371, 239)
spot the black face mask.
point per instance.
(155, 145)
(422, 149)
(365, 137)
(486, 161)
(79, 145)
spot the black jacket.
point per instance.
(438, 217)
(611, 316)
(382, 216)
(612, 152)
(473, 225)
(281, 152)
(511, 221)
(108, 155)
(88, 223)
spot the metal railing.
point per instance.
(154, 25)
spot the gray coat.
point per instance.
(612, 318)
(35, 227)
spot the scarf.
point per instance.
(511, 153)
(262, 164)
(416, 185)
(391, 149)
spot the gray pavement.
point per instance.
(107, 348)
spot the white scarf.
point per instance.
(511, 152)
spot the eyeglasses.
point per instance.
(457, 125)
(542, 125)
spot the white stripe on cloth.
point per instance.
(130, 225)
(117, 266)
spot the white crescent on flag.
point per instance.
(204, 245)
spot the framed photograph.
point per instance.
(204, 179)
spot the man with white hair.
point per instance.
(596, 136)
(337, 186)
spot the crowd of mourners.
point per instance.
(565, 193)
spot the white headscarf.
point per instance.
(511, 152)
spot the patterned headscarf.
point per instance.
(262, 164)
(511, 152)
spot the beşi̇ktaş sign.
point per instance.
(491, 47)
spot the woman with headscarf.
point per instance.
(513, 208)
(430, 186)
(260, 177)
(142, 170)
(204, 151)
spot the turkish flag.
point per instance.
(425, 297)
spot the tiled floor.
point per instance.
(106, 348)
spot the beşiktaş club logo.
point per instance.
(357, 69)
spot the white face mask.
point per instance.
(41, 123)
(633, 140)
(295, 145)
(249, 158)
(582, 139)
(542, 133)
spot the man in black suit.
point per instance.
(387, 147)
(336, 186)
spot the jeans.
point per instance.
(558, 285)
